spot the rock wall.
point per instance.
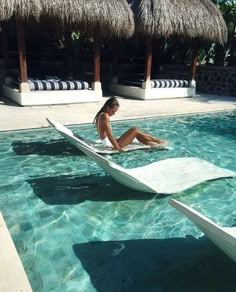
(216, 80)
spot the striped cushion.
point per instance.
(57, 84)
(169, 83)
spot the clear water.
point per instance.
(76, 229)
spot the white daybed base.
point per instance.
(152, 93)
(50, 97)
(223, 237)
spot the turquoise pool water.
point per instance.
(76, 229)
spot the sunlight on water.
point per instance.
(70, 221)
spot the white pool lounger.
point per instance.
(167, 176)
(223, 237)
(97, 145)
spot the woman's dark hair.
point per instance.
(111, 102)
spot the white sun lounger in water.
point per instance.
(97, 145)
(223, 237)
(166, 176)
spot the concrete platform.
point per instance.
(15, 117)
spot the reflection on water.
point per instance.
(76, 228)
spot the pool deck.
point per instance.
(13, 277)
(15, 117)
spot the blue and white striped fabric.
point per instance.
(169, 83)
(57, 84)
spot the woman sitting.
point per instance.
(102, 122)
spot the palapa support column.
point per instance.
(4, 48)
(115, 61)
(24, 86)
(194, 64)
(68, 53)
(96, 59)
(148, 64)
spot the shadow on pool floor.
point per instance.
(51, 147)
(161, 265)
(75, 189)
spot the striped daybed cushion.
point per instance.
(36, 84)
(169, 83)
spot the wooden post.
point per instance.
(96, 56)
(115, 61)
(194, 62)
(156, 56)
(21, 50)
(68, 57)
(4, 47)
(148, 60)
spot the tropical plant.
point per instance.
(224, 54)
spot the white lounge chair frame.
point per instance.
(223, 237)
(167, 176)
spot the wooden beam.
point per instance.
(21, 50)
(4, 48)
(194, 61)
(148, 60)
(96, 56)
(115, 58)
(68, 53)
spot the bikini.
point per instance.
(106, 142)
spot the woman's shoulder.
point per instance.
(104, 115)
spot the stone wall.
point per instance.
(216, 80)
(209, 79)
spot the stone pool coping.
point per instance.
(12, 277)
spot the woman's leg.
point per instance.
(128, 137)
(148, 139)
(144, 138)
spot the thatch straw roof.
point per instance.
(112, 17)
(23, 9)
(181, 18)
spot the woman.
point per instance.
(102, 122)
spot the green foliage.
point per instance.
(224, 55)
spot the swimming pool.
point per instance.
(76, 229)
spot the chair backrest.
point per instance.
(223, 237)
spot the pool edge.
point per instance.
(13, 276)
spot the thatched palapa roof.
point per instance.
(23, 9)
(155, 18)
(182, 18)
(111, 17)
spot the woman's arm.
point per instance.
(107, 129)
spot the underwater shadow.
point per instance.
(75, 189)
(167, 265)
(52, 147)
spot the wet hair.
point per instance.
(111, 102)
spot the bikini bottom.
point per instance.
(106, 142)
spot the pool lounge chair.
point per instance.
(97, 145)
(223, 237)
(167, 176)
